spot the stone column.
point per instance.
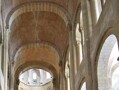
(78, 53)
(6, 61)
(75, 58)
(1, 80)
(61, 79)
(71, 59)
(86, 46)
(94, 12)
(67, 76)
(63, 84)
(78, 45)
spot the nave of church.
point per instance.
(59, 44)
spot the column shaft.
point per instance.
(6, 60)
(78, 55)
(72, 72)
(86, 46)
(93, 11)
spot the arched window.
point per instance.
(107, 58)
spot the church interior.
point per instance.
(59, 45)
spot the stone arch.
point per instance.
(104, 59)
(24, 59)
(99, 46)
(45, 49)
(38, 6)
(41, 65)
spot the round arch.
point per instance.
(35, 54)
(40, 65)
(104, 60)
(25, 59)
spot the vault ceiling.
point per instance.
(38, 21)
(35, 27)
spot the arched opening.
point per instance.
(41, 56)
(35, 79)
(107, 58)
(83, 86)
